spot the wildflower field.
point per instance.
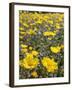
(41, 44)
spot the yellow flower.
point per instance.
(24, 46)
(39, 21)
(35, 53)
(46, 17)
(29, 62)
(60, 19)
(49, 64)
(62, 46)
(29, 55)
(35, 29)
(26, 25)
(21, 28)
(30, 48)
(32, 24)
(49, 34)
(23, 33)
(49, 38)
(55, 49)
(31, 32)
(24, 50)
(34, 74)
(58, 26)
(50, 22)
(55, 31)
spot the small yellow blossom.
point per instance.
(26, 25)
(31, 24)
(39, 22)
(62, 46)
(49, 64)
(35, 29)
(50, 22)
(55, 31)
(29, 55)
(30, 48)
(23, 33)
(24, 46)
(31, 32)
(58, 26)
(60, 19)
(49, 34)
(34, 74)
(49, 38)
(21, 28)
(21, 37)
(35, 53)
(24, 50)
(55, 49)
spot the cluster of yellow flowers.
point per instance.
(40, 18)
(31, 62)
(54, 49)
(46, 27)
(30, 32)
(25, 49)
